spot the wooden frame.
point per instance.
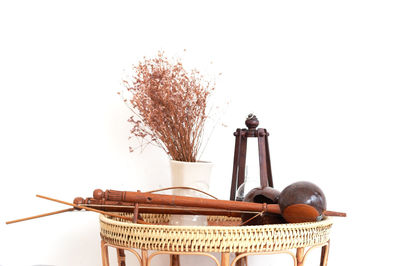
(239, 158)
(145, 259)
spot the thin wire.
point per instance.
(166, 208)
(248, 220)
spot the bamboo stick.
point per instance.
(40, 215)
(91, 209)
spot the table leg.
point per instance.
(104, 254)
(144, 258)
(324, 254)
(174, 260)
(300, 256)
(121, 257)
(225, 259)
(242, 261)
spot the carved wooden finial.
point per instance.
(79, 200)
(98, 194)
(252, 121)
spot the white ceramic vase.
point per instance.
(190, 174)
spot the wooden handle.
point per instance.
(194, 202)
(333, 213)
(171, 200)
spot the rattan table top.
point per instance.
(224, 237)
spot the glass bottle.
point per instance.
(250, 181)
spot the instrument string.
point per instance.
(253, 217)
(190, 188)
(173, 207)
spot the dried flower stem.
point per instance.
(169, 106)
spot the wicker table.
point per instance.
(220, 236)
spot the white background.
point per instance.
(322, 76)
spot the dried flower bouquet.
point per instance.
(169, 106)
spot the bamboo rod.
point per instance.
(40, 215)
(90, 209)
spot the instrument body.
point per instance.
(267, 195)
(302, 202)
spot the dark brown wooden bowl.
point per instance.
(302, 202)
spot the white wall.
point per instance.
(322, 76)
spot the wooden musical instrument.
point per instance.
(297, 203)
